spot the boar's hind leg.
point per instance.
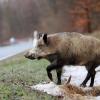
(91, 74)
(86, 79)
(59, 72)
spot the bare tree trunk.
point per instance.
(89, 20)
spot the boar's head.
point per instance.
(43, 46)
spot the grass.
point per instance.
(16, 73)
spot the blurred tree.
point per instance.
(19, 18)
(1, 12)
(84, 11)
(23, 16)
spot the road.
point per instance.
(8, 51)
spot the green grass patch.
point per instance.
(17, 73)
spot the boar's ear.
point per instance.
(45, 39)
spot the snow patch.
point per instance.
(50, 88)
(98, 98)
(78, 74)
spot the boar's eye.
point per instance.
(45, 38)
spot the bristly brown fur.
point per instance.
(77, 49)
(84, 48)
(69, 48)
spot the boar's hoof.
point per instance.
(58, 83)
(82, 85)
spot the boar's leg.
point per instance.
(86, 79)
(93, 72)
(59, 72)
(88, 67)
(54, 65)
(51, 67)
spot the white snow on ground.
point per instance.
(50, 88)
(98, 98)
(78, 74)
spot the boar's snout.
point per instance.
(30, 56)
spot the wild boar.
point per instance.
(67, 48)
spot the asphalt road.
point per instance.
(11, 50)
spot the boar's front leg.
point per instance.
(51, 67)
(54, 65)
